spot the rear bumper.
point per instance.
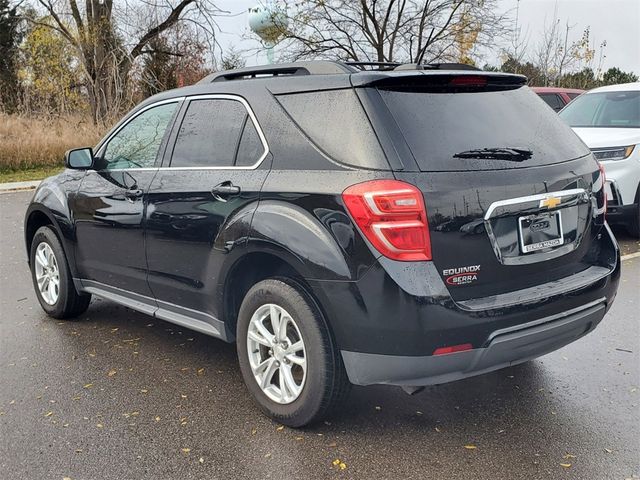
(508, 347)
(389, 323)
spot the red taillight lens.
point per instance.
(453, 349)
(604, 189)
(392, 215)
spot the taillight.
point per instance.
(604, 189)
(469, 80)
(392, 216)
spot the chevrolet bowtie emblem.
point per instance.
(550, 202)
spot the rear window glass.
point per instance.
(481, 130)
(336, 123)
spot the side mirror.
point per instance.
(79, 158)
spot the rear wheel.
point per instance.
(52, 278)
(287, 357)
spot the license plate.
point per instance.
(538, 232)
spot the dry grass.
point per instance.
(33, 143)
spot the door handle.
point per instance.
(225, 189)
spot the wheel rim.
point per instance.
(277, 353)
(47, 273)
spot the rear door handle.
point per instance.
(225, 189)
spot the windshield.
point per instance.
(606, 109)
(481, 130)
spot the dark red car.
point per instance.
(557, 97)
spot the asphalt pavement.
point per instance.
(119, 395)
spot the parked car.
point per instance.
(295, 210)
(557, 97)
(607, 119)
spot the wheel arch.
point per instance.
(38, 216)
(253, 267)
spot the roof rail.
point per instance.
(318, 67)
(384, 66)
(436, 66)
(324, 67)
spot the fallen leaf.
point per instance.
(157, 419)
(201, 371)
(280, 428)
(112, 372)
(201, 460)
(185, 450)
(333, 444)
(299, 438)
(608, 450)
(99, 425)
(336, 462)
(254, 431)
(88, 385)
(48, 414)
(418, 412)
(470, 447)
(267, 455)
(568, 455)
(565, 465)
(113, 330)
(438, 429)
(144, 390)
(342, 465)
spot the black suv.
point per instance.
(406, 226)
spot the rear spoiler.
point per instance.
(439, 80)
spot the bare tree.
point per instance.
(90, 26)
(391, 30)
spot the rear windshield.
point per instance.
(606, 109)
(481, 130)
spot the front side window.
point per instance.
(136, 145)
(216, 132)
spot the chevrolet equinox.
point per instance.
(344, 224)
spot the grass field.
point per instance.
(33, 148)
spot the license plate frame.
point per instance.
(547, 224)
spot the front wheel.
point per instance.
(287, 357)
(52, 278)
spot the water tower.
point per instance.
(269, 22)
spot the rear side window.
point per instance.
(216, 133)
(481, 130)
(336, 123)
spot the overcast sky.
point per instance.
(616, 21)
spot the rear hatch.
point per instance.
(514, 199)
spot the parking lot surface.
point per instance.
(119, 395)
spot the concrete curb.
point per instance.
(18, 186)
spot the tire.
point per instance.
(61, 301)
(634, 225)
(322, 387)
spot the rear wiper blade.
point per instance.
(503, 153)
